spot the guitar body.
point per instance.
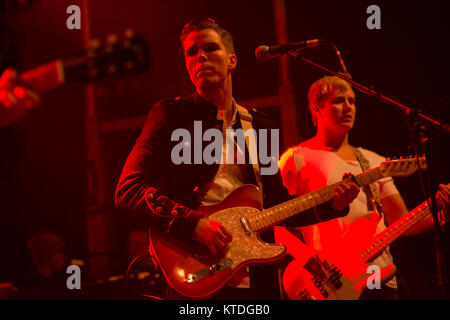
(192, 270)
(337, 273)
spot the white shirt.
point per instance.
(305, 170)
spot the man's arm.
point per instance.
(140, 184)
(394, 208)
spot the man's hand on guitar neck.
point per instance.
(15, 100)
(344, 194)
(212, 234)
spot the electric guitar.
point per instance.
(115, 56)
(341, 271)
(195, 273)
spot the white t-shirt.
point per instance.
(305, 170)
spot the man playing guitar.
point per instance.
(321, 160)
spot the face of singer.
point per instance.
(208, 62)
(337, 113)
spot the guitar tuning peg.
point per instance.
(128, 37)
(112, 68)
(112, 38)
(129, 33)
(94, 43)
(94, 46)
(112, 41)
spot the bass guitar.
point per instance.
(341, 272)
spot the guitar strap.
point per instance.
(246, 123)
(370, 190)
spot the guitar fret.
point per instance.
(267, 218)
(366, 178)
(282, 213)
(314, 201)
(278, 214)
(250, 224)
(270, 217)
(326, 194)
(254, 222)
(395, 230)
(321, 197)
(370, 176)
(316, 198)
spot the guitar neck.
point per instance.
(383, 239)
(273, 216)
(101, 60)
(46, 77)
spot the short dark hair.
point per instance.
(207, 23)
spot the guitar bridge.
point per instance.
(209, 271)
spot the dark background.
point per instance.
(407, 59)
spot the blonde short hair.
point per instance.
(320, 90)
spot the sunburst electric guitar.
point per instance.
(195, 273)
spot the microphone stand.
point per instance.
(419, 125)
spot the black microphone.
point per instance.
(264, 53)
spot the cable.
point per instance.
(155, 266)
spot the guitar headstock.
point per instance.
(113, 56)
(402, 167)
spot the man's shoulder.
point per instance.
(371, 154)
(173, 102)
(171, 106)
(300, 148)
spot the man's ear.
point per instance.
(232, 61)
(315, 110)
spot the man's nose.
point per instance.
(202, 56)
(347, 104)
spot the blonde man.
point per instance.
(326, 157)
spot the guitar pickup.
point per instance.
(245, 226)
(209, 271)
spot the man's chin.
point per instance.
(208, 84)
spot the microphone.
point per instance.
(264, 53)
